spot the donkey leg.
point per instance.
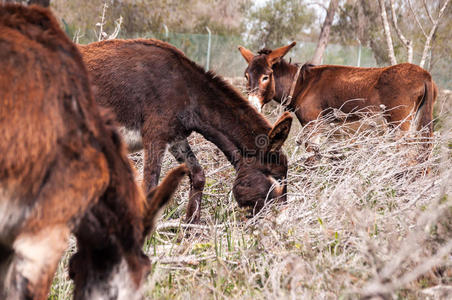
(400, 117)
(182, 151)
(307, 117)
(154, 149)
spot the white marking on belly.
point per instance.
(254, 100)
(132, 138)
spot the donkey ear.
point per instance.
(159, 196)
(279, 53)
(247, 54)
(278, 134)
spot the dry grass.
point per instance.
(361, 220)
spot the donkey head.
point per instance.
(259, 73)
(262, 178)
(110, 263)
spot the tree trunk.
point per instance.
(384, 20)
(325, 32)
(361, 23)
(406, 42)
(367, 15)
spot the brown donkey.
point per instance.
(63, 170)
(312, 90)
(160, 97)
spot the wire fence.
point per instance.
(223, 57)
(227, 61)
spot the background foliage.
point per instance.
(265, 23)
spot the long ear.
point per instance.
(247, 54)
(159, 196)
(279, 53)
(278, 134)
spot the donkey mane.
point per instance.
(284, 67)
(264, 51)
(232, 94)
(305, 69)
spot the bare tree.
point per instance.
(435, 22)
(325, 32)
(387, 32)
(408, 44)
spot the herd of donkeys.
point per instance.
(69, 114)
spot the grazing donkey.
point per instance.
(160, 97)
(314, 90)
(63, 170)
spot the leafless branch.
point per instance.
(115, 33)
(416, 18)
(428, 12)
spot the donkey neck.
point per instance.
(226, 119)
(284, 75)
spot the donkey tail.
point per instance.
(425, 109)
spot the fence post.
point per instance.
(359, 55)
(166, 31)
(208, 49)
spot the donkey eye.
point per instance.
(264, 78)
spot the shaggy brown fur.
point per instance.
(158, 92)
(63, 170)
(401, 88)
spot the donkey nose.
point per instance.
(277, 186)
(254, 100)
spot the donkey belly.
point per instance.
(132, 137)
